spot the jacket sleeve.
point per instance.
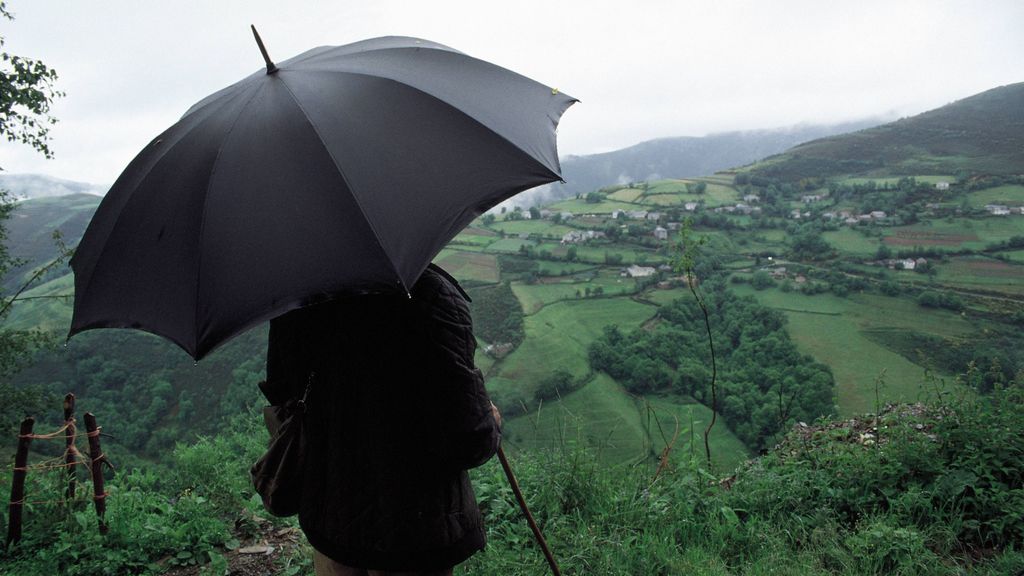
(469, 435)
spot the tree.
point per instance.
(26, 92)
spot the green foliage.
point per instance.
(187, 514)
(497, 315)
(826, 502)
(764, 382)
(26, 93)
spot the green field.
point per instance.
(851, 242)
(554, 268)
(981, 273)
(533, 297)
(558, 337)
(1011, 195)
(37, 309)
(893, 181)
(831, 330)
(540, 227)
(1015, 255)
(975, 233)
(469, 265)
(622, 428)
(508, 245)
(626, 194)
(584, 207)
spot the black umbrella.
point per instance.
(342, 170)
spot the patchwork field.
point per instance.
(831, 330)
(533, 297)
(1011, 195)
(557, 337)
(539, 227)
(622, 428)
(469, 265)
(974, 233)
(981, 273)
(851, 242)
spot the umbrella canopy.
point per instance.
(343, 170)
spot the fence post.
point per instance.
(18, 482)
(70, 458)
(96, 465)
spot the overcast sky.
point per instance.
(643, 69)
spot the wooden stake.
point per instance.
(526, 512)
(69, 443)
(18, 482)
(99, 497)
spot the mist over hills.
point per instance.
(983, 133)
(25, 186)
(679, 157)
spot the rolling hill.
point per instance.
(983, 133)
(680, 157)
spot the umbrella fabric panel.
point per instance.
(281, 228)
(496, 97)
(137, 260)
(420, 169)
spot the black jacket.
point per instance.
(397, 413)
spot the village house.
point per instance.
(546, 214)
(751, 198)
(637, 214)
(690, 206)
(654, 216)
(577, 236)
(635, 271)
(566, 216)
(851, 221)
(942, 185)
(778, 273)
(673, 226)
(997, 209)
(661, 233)
(810, 198)
(877, 215)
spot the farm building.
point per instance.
(635, 271)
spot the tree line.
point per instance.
(764, 383)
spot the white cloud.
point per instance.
(643, 69)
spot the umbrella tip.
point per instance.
(271, 67)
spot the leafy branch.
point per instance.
(687, 250)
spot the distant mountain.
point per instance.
(25, 186)
(682, 157)
(30, 232)
(983, 133)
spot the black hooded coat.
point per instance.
(396, 414)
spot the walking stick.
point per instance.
(526, 512)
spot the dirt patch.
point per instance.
(264, 554)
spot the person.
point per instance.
(396, 414)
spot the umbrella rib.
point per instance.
(348, 185)
(202, 218)
(443, 102)
(104, 244)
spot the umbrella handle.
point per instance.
(526, 512)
